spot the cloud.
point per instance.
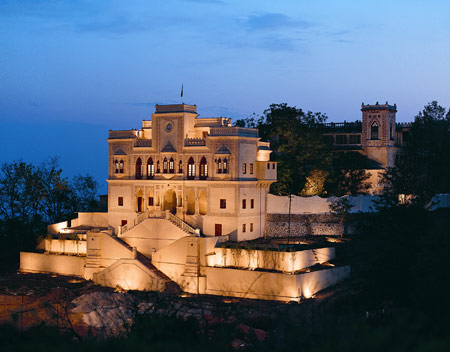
(272, 42)
(116, 25)
(273, 21)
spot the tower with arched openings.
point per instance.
(378, 132)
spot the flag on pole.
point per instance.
(182, 90)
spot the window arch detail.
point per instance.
(171, 166)
(191, 169)
(150, 168)
(203, 169)
(138, 173)
(374, 130)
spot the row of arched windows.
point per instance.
(168, 167)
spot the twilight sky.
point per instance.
(70, 70)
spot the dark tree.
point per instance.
(349, 175)
(423, 168)
(85, 193)
(298, 144)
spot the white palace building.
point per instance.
(211, 175)
(178, 187)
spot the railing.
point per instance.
(181, 224)
(136, 221)
(143, 143)
(234, 131)
(192, 142)
(169, 216)
(122, 134)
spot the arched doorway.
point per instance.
(170, 201)
(139, 201)
(190, 203)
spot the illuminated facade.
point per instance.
(178, 187)
(211, 175)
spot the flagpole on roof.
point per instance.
(181, 93)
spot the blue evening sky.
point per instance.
(72, 69)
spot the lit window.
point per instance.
(171, 166)
(138, 168)
(121, 167)
(374, 131)
(219, 166)
(180, 167)
(191, 168)
(120, 201)
(225, 166)
(223, 204)
(203, 169)
(116, 164)
(165, 165)
(251, 168)
(244, 168)
(150, 168)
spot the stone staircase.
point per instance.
(170, 285)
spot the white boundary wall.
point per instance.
(317, 205)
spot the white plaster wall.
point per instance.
(56, 228)
(93, 219)
(310, 283)
(118, 213)
(51, 263)
(315, 204)
(271, 260)
(129, 274)
(250, 284)
(272, 286)
(247, 154)
(152, 234)
(65, 246)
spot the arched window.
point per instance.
(180, 167)
(121, 166)
(374, 131)
(225, 166)
(138, 168)
(165, 165)
(171, 166)
(150, 168)
(116, 166)
(219, 166)
(158, 168)
(191, 169)
(203, 169)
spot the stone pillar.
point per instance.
(196, 206)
